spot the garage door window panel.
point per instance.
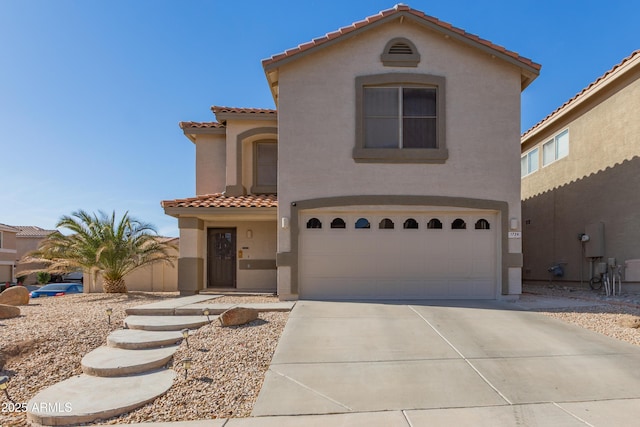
(458, 224)
(410, 224)
(482, 224)
(363, 224)
(434, 224)
(338, 223)
(386, 224)
(314, 223)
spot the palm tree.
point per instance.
(99, 244)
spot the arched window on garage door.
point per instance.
(410, 224)
(314, 223)
(386, 224)
(338, 223)
(459, 224)
(434, 224)
(363, 223)
(482, 224)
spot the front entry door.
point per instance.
(221, 258)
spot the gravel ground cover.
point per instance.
(45, 346)
(615, 316)
(46, 343)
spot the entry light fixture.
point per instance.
(185, 335)
(186, 364)
(206, 313)
(513, 223)
(249, 234)
(109, 312)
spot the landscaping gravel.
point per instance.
(45, 346)
(47, 342)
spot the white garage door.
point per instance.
(398, 254)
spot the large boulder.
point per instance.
(238, 316)
(8, 311)
(17, 295)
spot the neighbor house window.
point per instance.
(556, 148)
(265, 167)
(400, 119)
(1, 240)
(529, 163)
(314, 223)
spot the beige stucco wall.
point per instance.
(24, 245)
(316, 114)
(597, 182)
(210, 163)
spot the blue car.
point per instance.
(56, 290)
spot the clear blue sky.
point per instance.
(91, 92)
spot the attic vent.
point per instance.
(400, 49)
(400, 52)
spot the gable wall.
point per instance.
(317, 123)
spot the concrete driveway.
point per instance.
(448, 363)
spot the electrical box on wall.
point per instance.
(594, 247)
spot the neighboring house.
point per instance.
(581, 175)
(393, 154)
(8, 253)
(27, 240)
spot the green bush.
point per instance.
(43, 277)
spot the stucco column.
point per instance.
(191, 261)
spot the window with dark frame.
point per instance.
(482, 224)
(459, 224)
(410, 224)
(400, 117)
(266, 166)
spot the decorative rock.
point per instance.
(16, 295)
(238, 316)
(630, 322)
(8, 311)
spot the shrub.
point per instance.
(43, 277)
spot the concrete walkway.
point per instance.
(440, 364)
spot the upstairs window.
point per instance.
(529, 163)
(400, 119)
(556, 148)
(265, 167)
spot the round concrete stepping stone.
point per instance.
(139, 339)
(165, 323)
(86, 398)
(113, 362)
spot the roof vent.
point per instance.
(400, 52)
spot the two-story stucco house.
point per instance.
(581, 175)
(389, 170)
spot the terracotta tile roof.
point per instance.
(6, 227)
(32, 231)
(201, 125)
(614, 69)
(219, 200)
(398, 9)
(232, 110)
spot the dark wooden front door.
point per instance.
(221, 258)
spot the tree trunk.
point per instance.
(114, 286)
